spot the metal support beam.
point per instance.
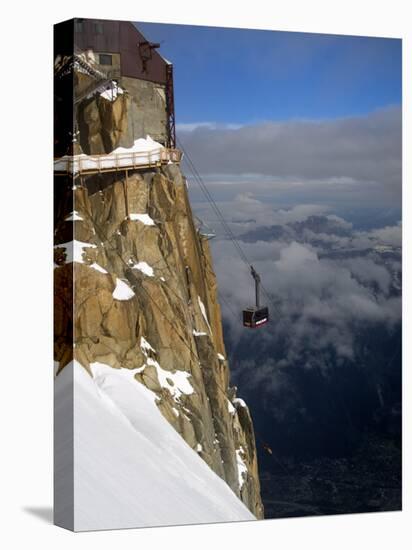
(256, 277)
(126, 198)
(170, 108)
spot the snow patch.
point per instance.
(203, 310)
(111, 93)
(240, 402)
(176, 383)
(144, 218)
(241, 467)
(145, 346)
(155, 477)
(221, 357)
(197, 333)
(98, 267)
(73, 217)
(140, 145)
(143, 267)
(122, 291)
(74, 250)
(230, 407)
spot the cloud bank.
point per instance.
(284, 188)
(327, 288)
(335, 160)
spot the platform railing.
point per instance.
(81, 164)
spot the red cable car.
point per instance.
(255, 317)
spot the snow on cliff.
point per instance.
(132, 469)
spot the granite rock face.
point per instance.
(135, 289)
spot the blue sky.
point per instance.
(290, 119)
(235, 76)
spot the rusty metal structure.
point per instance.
(139, 58)
(171, 124)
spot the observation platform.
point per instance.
(115, 162)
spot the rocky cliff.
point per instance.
(145, 299)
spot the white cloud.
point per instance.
(191, 126)
(350, 160)
(323, 301)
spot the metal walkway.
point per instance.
(133, 160)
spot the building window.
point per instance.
(105, 59)
(78, 25)
(98, 28)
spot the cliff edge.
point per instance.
(135, 291)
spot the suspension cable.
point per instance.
(222, 220)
